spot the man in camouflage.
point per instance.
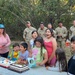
(41, 30)
(27, 32)
(72, 30)
(61, 33)
(72, 33)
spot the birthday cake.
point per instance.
(18, 68)
(12, 65)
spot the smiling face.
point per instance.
(34, 35)
(38, 44)
(22, 49)
(48, 33)
(73, 46)
(16, 48)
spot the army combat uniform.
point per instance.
(71, 34)
(72, 31)
(61, 39)
(27, 34)
(41, 32)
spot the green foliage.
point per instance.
(15, 13)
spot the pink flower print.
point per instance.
(34, 52)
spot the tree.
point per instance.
(15, 13)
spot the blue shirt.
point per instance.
(24, 55)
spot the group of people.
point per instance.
(60, 33)
(42, 45)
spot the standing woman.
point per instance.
(4, 42)
(51, 46)
(51, 27)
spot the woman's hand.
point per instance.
(18, 61)
(3, 46)
(49, 61)
(0, 46)
(47, 67)
(39, 64)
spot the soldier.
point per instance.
(72, 33)
(72, 30)
(61, 33)
(41, 30)
(27, 32)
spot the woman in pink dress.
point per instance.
(4, 42)
(50, 45)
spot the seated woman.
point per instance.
(39, 52)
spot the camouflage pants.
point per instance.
(61, 44)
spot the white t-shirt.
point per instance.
(31, 43)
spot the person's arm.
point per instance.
(24, 35)
(26, 55)
(54, 49)
(21, 61)
(65, 33)
(18, 55)
(24, 61)
(8, 41)
(56, 33)
(70, 32)
(39, 32)
(10, 54)
(53, 68)
(45, 59)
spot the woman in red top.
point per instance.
(50, 45)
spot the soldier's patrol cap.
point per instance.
(42, 23)
(27, 22)
(2, 26)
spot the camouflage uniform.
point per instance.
(72, 31)
(41, 32)
(54, 32)
(27, 33)
(61, 39)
